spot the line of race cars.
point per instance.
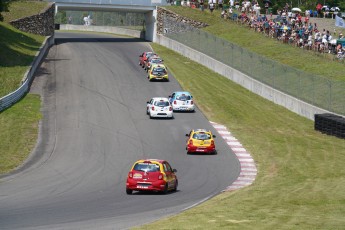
(154, 66)
(155, 174)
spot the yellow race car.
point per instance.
(158, 72)
(200, 141)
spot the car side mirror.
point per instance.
(187, 135)
(140, 55)
(174, 170)
(147, 102)
(214, 136)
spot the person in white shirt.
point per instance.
(211, 5)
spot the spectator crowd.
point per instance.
(290, 28)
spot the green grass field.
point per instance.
(19, 131)
(19, 123)
(22, 8)
(17, 51)
(300, 182)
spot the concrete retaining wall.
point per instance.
(295, 105)
(105, 29)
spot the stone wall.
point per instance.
(41, 24)
(169, 22)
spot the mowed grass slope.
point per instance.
(309, 61)
(17, 51)
(19, 131)
(19, 9)
(18, 124)
(300, 182)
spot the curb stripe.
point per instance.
(248, 170)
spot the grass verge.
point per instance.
(309, 61)
(301, 176)
(19, 130)
(20, 9)
(17, 51)
(19, 123)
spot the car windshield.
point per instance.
(156, 60)
(183, 97)
(161, 103)
(146, 167)
(159, 70)
(149, 54)
(201, 136)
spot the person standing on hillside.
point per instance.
(211, 5)
(201, 3)
(266, 7)
(232, 2)
(318, 9)
(220, 4)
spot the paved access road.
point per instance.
(94, 127)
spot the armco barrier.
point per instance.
(295, 105)
(13, 97)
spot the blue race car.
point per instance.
(182, 101)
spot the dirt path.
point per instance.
(327, 24)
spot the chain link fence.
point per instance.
(316, 90)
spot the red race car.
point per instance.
(143, 58)
(151, 175)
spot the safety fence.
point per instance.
(316, 90)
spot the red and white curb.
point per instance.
(248, 169)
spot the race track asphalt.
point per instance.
(95, 126)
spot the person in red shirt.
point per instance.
(318, 9)
(299, 19)
(306, 20)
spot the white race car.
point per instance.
(182, 101)
(159, 107)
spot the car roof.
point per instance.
(158, 65)
(201, 130)
(155, 58)
(150, 160)
(160, 98)
(182, 92)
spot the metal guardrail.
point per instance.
(316, 90)
(10, 99)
